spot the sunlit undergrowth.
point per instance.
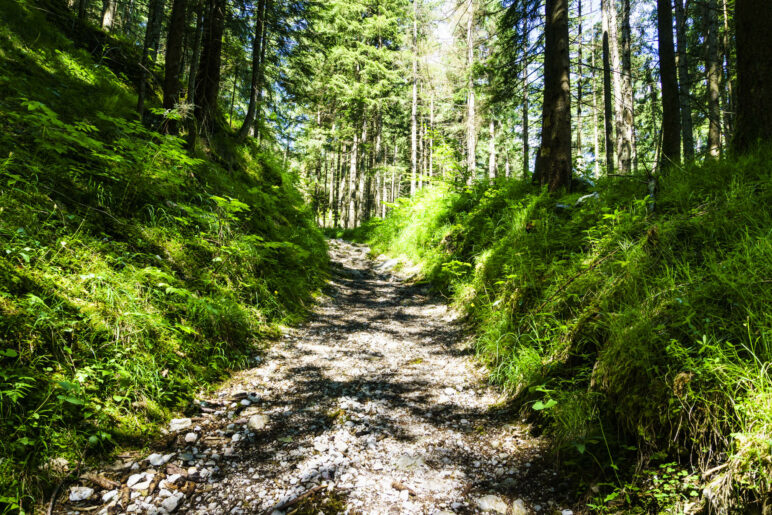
(131, 273)
(637, 336)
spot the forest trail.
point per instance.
(374, 406)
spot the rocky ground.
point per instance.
(374, 406)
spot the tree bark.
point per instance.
(208, 79)
(431, 136)
(579, 83)
(174, 52)
(671, 123)
(754, 74)
(526, 107)
(553, 164)
(492, 149)
(149, 48)
(196, 56)
(728, 80)
(626, 138)
(713, 77)
(596, 113)
(414, 106)
(82, 8)
(257, 41)
(352, 184)
(623, 141)
(607, 100)
(684, 82)
(108, 14)
(261, 69)
(471, 136)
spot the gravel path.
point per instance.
(374, 406)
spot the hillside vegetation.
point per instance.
(640, 338)
(132, 272)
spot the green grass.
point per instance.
(132, 272)
(636, 337)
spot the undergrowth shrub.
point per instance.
(636, 336)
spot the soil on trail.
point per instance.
(374, 406)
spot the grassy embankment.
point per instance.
(638, 338)
(132, 272)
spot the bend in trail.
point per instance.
(374, 406)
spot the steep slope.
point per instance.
(132, 273)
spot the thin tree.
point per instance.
(553, 163)
(684, 81)
(414, 106)
(471, 136)
(257, 41)
(607, 95)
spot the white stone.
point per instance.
(134, 479)
(236, 437)
(109, 496)
(178, 424)
(143, 485)
(191, 437)
(257, 422)
(492, 504)
(80, 493)
(157, 460)
(171, 503)
(518, 508)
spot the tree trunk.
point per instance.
(671, 123)
(431, 136)
(196, 56)
(261, 70)
(626, 137)
(471, 136)
(684, 82)
(553, 163)
(174, 53)
(108, 13)
(754, 74)
(82, 8)
(607, 100)
(526, 107)
(414, 107)
(713, 77)
(257, 41)
(623, 141)
(595, 115)
(579, 84)
(154, 25)
(149, 48)
(352, 178)
(492, 149)
(208, 79)
(728, 80)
